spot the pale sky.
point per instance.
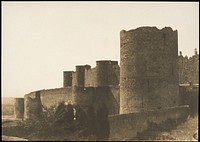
(41, 40)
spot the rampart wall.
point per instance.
(126, 126)
(83, 96)
(52, 97)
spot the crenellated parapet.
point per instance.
(106, 73)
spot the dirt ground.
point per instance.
(186, 130)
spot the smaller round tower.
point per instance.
(19, 107)
(32, 106)
(105, 73)
(80, 76)
(102, 73)
(67, 78)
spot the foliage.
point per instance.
(62, 123)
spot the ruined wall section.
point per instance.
(148, 69)
(19, 107)
(32, 105)
(35, 102)
(188, 69)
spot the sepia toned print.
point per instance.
(150, 94)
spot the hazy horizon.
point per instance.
(40, 40)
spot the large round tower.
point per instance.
(148, 69)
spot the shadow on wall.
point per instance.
(96, 95)
(109, 96)
(189, 96)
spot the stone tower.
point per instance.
(67, 78)
(148, 69)
(19, 107)
(80, 76)
(32, 106)
(105, 74)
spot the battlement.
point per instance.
(106, 73)
(149, 29)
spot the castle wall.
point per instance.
(35, 101)
(85, 96)
(105, 95)
(82, 96)
(148, 69)
(19, 107)
(126, 126)
(115, 92)
(52, 97)
(67, 78)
